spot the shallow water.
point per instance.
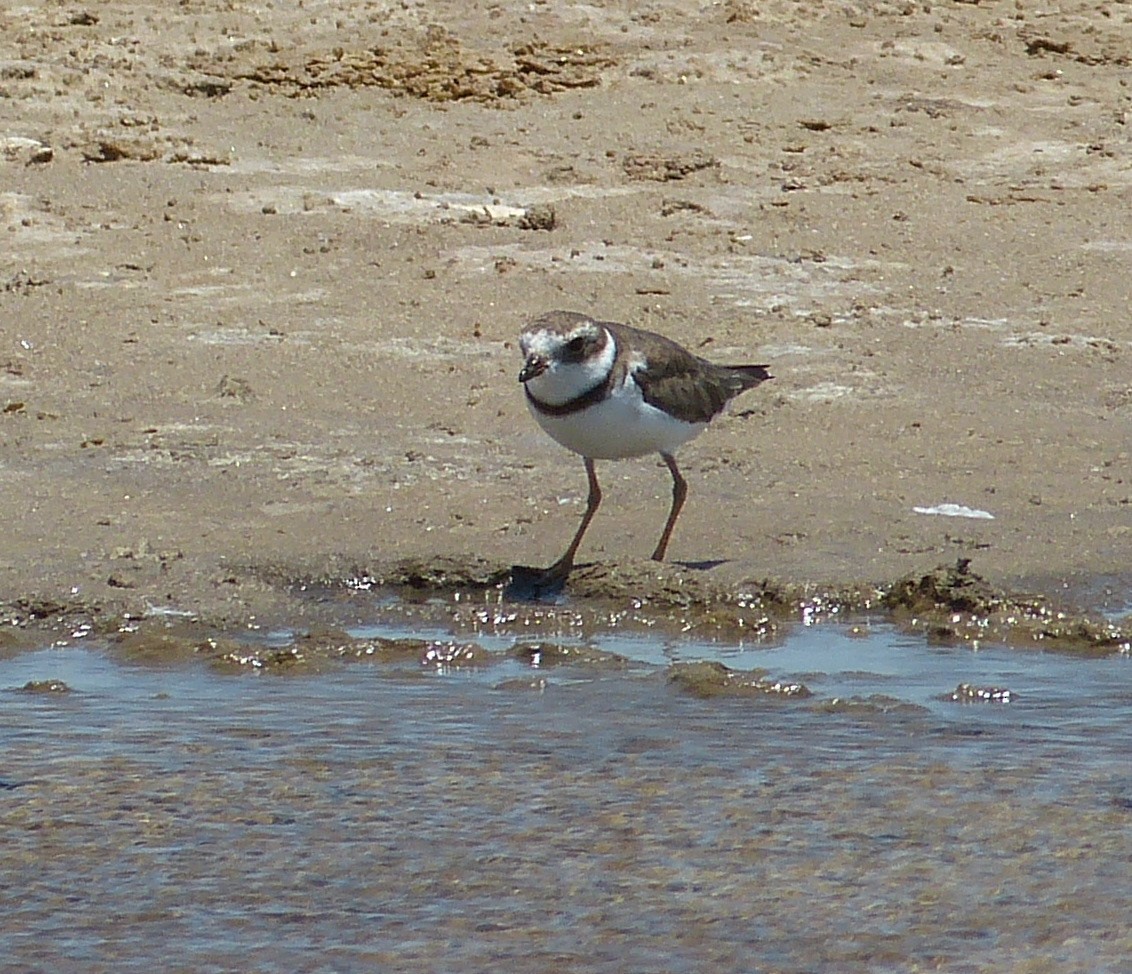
(404, 817)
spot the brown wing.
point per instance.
(686, 386)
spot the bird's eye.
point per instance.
(576, 346)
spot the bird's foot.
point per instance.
(529, 583)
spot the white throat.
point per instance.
(562, 382)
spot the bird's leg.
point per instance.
(561, 568)
(679, 493)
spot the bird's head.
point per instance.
(569, 352)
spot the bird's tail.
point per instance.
(749, 376)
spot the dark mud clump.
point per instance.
(655, 583)
(322, 649)
(706, 679)
(282, 660)
(15, 640)
(968, 693)
(874, 705)
(36, 613)
(457, 655)
(947, 588)
(45, 687)
(522, 684)
(156, 643)
(433, 575)
(556, 654)
(954, 604)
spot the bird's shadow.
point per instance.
(702, 566)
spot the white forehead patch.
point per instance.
(541, 342)
(548, 341)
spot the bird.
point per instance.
(609, 391)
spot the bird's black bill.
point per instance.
(534, 366)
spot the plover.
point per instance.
(609, 392)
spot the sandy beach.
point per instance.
(265, 267)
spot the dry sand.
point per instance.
(264, 267)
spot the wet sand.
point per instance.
(266, 269)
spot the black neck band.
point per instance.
(589, 398)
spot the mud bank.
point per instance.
(951, 604)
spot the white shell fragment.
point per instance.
(955, 510)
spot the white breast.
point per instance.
(620, 426)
